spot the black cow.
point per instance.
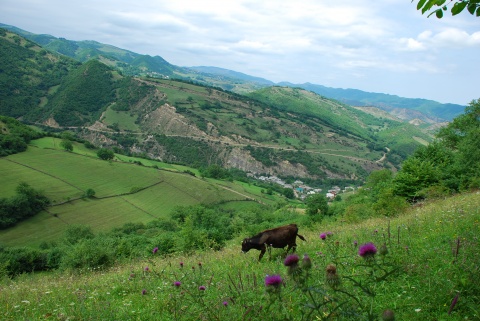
(277, 237)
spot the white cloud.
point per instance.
(321, 41)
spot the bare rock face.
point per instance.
(242, 159)
(51, 122)
(165, 120)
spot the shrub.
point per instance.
(76, 233)
(96, 253)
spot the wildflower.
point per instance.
(306, 262)
(388, 315)
(367, 250)
(273, 281)
(383, 250)
(323, 236)
(181, 264)
(329, 233)
(155, 250)
(201, 288)
(291, 260)
(200, 264)
(454, 302)
(144, 292)
(225, 303)
(333, 280)
(146, 269)
(355, 243)
(177, 283)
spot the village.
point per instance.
(302, 190)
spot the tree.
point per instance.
(105, 154)
(317, 206)
(288, 193)
(437, 7)
(416, 175)
(89, 193)
(67, 145)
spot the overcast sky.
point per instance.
(377, 46)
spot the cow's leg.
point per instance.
(269, 248)
(291, 246)
(262, 252)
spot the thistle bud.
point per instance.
(332, 278)
(383, 250)
(306, 262)
(388, 315)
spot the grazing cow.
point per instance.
(277, 237)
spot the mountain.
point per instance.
(135, 64)
(406, 108)
(232, 74)
(282, 131)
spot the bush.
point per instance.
(76, 233)
(22, 260)
(96, 253)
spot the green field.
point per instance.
(124, 192)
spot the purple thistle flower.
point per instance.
(181, 264)
(355, 243)
(273, 280)
(323, 236)
(291, 260)
(146, 269)
(177, 283)
(329, 233)
(155, 250)
(367, 250)
(201, 288)
(225, 303)
(144, 292)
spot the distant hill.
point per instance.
(135, 64)
(232, 74)
(410, 108)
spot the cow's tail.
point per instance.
(301, 237)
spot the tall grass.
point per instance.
(431, 272)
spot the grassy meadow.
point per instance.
(431, 272)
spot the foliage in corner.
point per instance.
(472, 6)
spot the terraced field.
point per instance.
(124, 192)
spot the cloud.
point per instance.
(451, 38)
(322, 41)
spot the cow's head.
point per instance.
(246, 245)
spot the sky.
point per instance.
(382, 46)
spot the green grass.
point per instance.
(422, 243)
(124, 119)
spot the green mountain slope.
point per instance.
(27, 73)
